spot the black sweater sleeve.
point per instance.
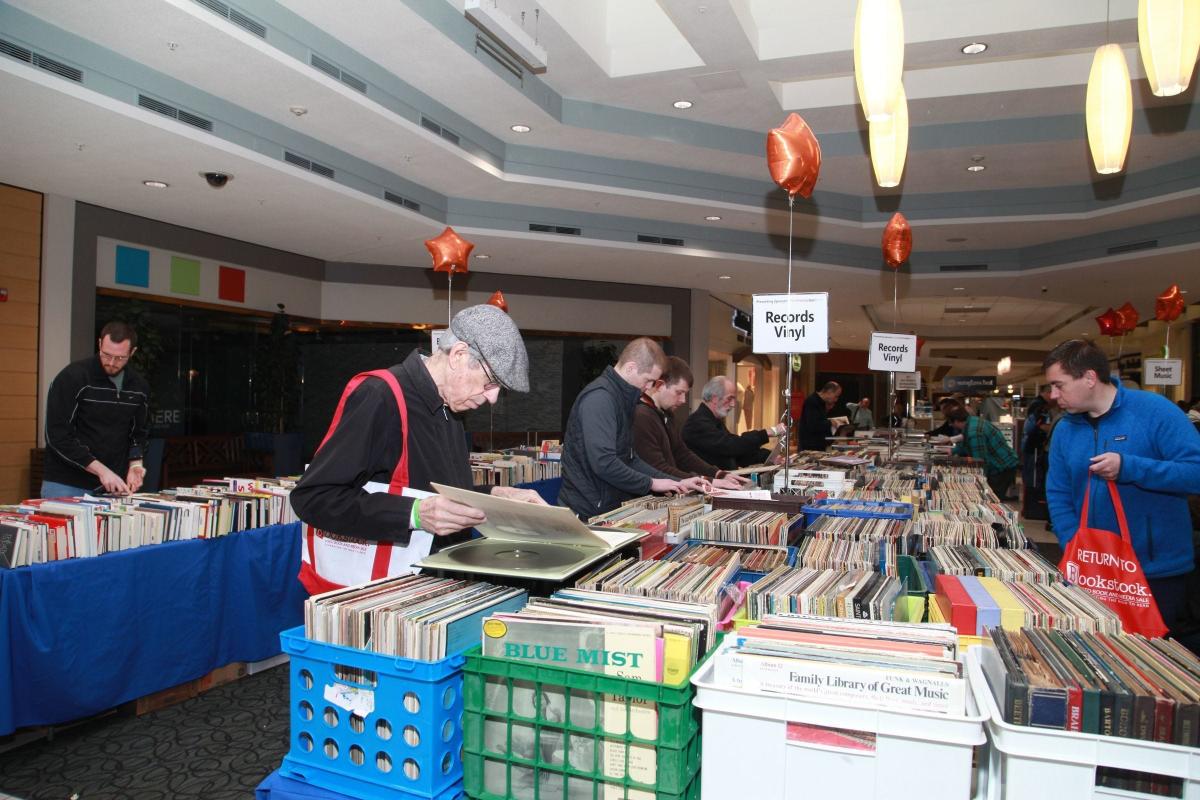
(700, 434)
(60, 405)
(365, 447)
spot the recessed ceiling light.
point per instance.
(483, 256)
(156, 184)
(974, 48)
(682, 104)
(172, 46)
(1183, 291)
(299, 111)
(724, 277)
(976, 168)
(956, 239)
(960, 288)
(712, 218)
(520, 128)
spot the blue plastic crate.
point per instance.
(407, 740)
(880, 509)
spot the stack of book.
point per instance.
(854, 594)
(893, 666)
(411, 616)
(855, 543)
(1111, 685)
(748, 527)
(973, 605)
(666, 580)
(756, 559)
(511, 469)
(39, 531)
(1024, 566)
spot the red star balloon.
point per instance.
(1169, 305)
(450, 252)
(897, 241)
(497, 300)
(1110, 323)
(794, 156)
(1129, 317)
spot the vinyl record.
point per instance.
(514, 555)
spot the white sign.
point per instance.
(436, 334)
(893, 352)
(1162, 372)
(908, 380)
(791, 323)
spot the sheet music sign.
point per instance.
(893, 352)
(908, 380)
(1162, 372)
(791, 323)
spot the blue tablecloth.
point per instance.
(548, 489)
(85, 635)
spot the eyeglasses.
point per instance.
(113, 359)
(492, 381)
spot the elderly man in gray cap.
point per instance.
(395, 431)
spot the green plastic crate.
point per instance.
(515, 781)
(567, 698)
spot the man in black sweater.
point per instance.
(599, 466)
(97, 421)
(814, 418)
(705, 432)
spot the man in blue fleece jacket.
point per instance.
(1140, 440)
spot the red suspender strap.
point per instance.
(383, 551)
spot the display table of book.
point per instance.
(84, 635)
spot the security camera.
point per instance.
(217, 180)
(1044, 290)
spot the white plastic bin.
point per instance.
(1031, 763)
(751, 749)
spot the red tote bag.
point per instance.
(1103, 564)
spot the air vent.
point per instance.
(1132, 247)
(43, 62)
(392, 197)
(431, 125)
(337, 73)
(963, 268)
(16, 51)
(967, 309)
(308, 164)
(499, 56)
(168, 110)
(648, 239)
(236, 17)
(538, 227)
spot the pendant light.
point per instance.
(889, 143)
(878, 56)
(1169, 37)
(1109, 109)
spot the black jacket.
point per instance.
(599, 466)
(366, 447)
(88, 419)
(814, 424)
(708, 438)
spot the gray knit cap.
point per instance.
(492, 334)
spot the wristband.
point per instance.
(416, 514)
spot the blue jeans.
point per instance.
(52, 489)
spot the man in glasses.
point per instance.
(97, 416)
(599, 465)
(398, 430)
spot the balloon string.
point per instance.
(787, 395)
(449, 293)
(1167, 343)
(895, 300)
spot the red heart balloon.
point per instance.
(897, 241)
(1110, 323)
(1169, 305)
(1129, 317)
(450, 252)
(794, 156)
(497, 300)
(920, 344)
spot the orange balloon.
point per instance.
(450, 251)
(920, 344)
(1129, 317)
(1169, 305)
(1110, 323)
(794, 156)
(897, 241)
(497, 300)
